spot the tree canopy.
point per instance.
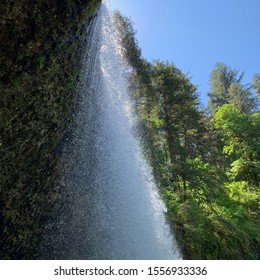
(206, 165)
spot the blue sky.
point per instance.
(195, 34)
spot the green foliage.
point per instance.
(256, 84)
(40, 61)
(226, 88)
(241, 138)
(207, 170)
(222, 77)
(220, 230)
(131, 51)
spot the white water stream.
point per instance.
(116, 211)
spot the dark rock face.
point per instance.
(40, 54)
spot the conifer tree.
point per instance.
(226, 88)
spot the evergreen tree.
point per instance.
(226, 88)
(242, 98)
(178, 107)
(256, 84)
(207, 165)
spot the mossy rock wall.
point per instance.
(41, 54)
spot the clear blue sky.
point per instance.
(195, 34)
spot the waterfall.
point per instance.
(115, 211)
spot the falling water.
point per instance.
(115, 210)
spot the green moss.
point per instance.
(40, 61)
